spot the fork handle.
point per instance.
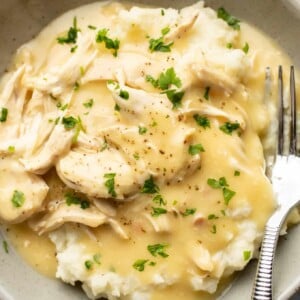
(263, 281)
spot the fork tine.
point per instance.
(280, 113)
(293, 132)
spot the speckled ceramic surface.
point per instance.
(20, 20)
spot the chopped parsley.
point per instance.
(175, 97)
(4, 113)
(214, 229)
(189, 211)
(152, 263)
(88, 264)
(212, 217)
(73, 49)
(167, 79)
(71, 37)
(158, 44)
(229, 45)
(247, 255)
(104, 146)
(110, 183)
(109, 43)
(196, 149)
(5, 246)
(165, 82)
(92, 27)
(136, 156)
(227, 195)
(72, 199)
(142, 130)
(89, 103)
(157, 211)
(158, 249)
(202, 121)
(237, 173)
(117, 107)
(11, 149)
(222, 184)
(124, 94)
(96, 258)
(18, 199)
(223, 212)
(69, 122)
(150, 187)
(61, 107)
(246, 48)
(162, 12)
(79, 127)
(158, 199)
(206, 93)
(229, 19)
(76, 86)
(139, 265)
(228, 127)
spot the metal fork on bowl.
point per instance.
(285, 179)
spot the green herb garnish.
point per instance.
(158, 199)
(228, 127)
(139, 265)
(110, 183)
(212, 217)
(72, 199)
(246, 48)
(229, 19)
(196, 149)
(142, 130)
(237, 173)
(157, 211)
(124, 94)
(202, 121)
(5, 246)
(4, 113)
(89, 103)
(150, 187)
(175, 97)
(109, 43)
(222, 184)
(247, 255)
(69, 122)
(189, 211)
(71, 37)
(158, 249)
(18, 199)
(214, 229)
(206, 93)
(88, 264)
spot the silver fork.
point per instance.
(285, 179)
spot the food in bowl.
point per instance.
(131, 137)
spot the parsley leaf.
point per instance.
(4, 113)
(227, 195)
(167, 79)
(5, 246)
(71, 37)
(222, 184)
(159, 46)
(117, 107)
(165, 30)
(246, 48)
(110, 183)
(229, 19)
(153, 81)
(69, 122)
(202, 121)
(124, 94)
(175, 97)
(11, 149)
(196, 149)
(158, 199)
(142, 130)
(247, 255)
(158, 249)
(206, 93)
(139, 265)
(89, 103)
(96, 258)
(189, 211)
(92, 27)
(228, 127)
(150, 187)
(71, 199)
(88, 264)
(212, 217)
(109, 43)
(18, 198)
(157, 211)
(214, 229)
(237, 173)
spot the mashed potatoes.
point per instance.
(131, 136)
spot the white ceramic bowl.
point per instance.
(20, 20)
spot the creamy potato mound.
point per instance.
(131, 137)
